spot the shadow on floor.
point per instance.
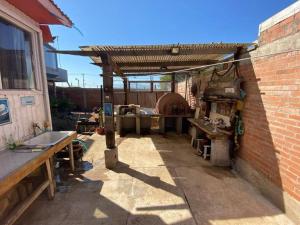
(169, 186)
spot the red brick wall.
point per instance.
(285, 28)
(271, 143)
(180, 88)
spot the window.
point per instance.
(16, 70)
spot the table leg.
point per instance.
(52, 166)
(119, 125)
(138, 125)
(71, 156)
(50, 178)
(162, 124)
(179, 125)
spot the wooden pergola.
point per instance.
(125, 61)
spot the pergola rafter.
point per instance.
(158, 58)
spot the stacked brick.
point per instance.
(271, 143)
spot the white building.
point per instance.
(23, 81)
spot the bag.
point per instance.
(224, 86)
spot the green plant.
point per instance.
(164, 86)
(61, 105)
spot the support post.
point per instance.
(186, 86)
(179, 125)
(125, 82)
(101, 96)
(71, 156)
(84, 99)
(54, 89)
(173, 83)
(111, 154)
(151, 86)
(162, 124)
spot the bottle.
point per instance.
(11, 143)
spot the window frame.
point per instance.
(29, 27)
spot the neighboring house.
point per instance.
(23, 81)
(54, 73)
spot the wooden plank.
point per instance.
(108, 99)
(151, 70)
(173, 84)
(50, 178)
(22, 116)
(147, 99)
(119, 98)
(208, 129)
(125, 83)
(20, 209)
(155, 51)
(133, 99)
(149, 81)
(162, 63)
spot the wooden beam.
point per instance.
(115, 67)
(101, 96)
(125, 83)
(151, 86)
(162, 63)
(108, 101)
(142, 74)
(154, 52)
(150, 81)
(154, 70)
(173, 84)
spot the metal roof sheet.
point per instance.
(159, 58)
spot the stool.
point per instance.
(195, 140)
(206, 153)
(199, 143)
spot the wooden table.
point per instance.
(219, 142)
(208, 129)
(15, 166)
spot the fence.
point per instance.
(88, 98)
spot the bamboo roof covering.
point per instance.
(139, 59)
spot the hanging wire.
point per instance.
(79, 31)
(57, 46)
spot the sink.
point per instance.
(47, 139)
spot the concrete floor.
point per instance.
(158, 181)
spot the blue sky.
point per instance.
(123, 22)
